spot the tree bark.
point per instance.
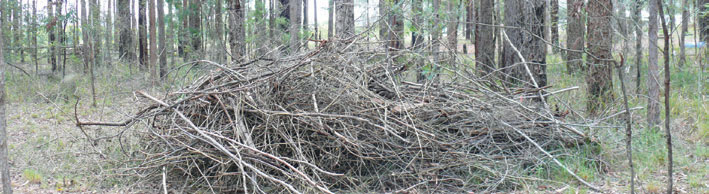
(125, 46)
(184, 39)
(305, 15)
(396, 32)
(637, 9)
(34, 37)
(89, 56)
(4, 165)
(331, 19)
(295, 24)
(528, 39)
(484, 38)
(436, 31)
(161, 39)
(236, 32)
(153, 46)
(599, 78)
(17, 29)
(653, 86)
(109, 32)
(219, 30)
(452, 30)
(142, 36)
(345, 19)
(196, 29)
(575, 35)
(315, 18)
(96, 30)
(469, 18)
(554, 12)
(52, 35)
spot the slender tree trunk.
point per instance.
(142, 36)
(52, 36)
(315, 18)
(345, 19)
(96, 31)
(60, 36)
(153, 45)
(653, 86)
(196, 29)
(599, 78)
(484, 38)
(88, 50)
(305, 15)
(469, 23)
(109, 32)
(452, 30)
(295, 24)
(272, 18)
(668, 131)
(172, 36)
(527, 41)
(554, 12)
(236, 30)
(384, 23)
(17, 28)
(5, 16)
(184, 31)
(575, 31)
(161, 42)
(4, 165)
(331, 19)
(637, 9)
(219, 30)
(396, 32)
(436, 31)
(683, 33)
(34, 37)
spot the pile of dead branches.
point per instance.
(329, 120)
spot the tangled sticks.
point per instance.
(326, 122)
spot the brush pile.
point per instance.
(332, 121)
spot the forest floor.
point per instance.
(49, 154)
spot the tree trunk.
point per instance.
(683, 33)
(196, 29)
(295, 24)
(4, 165)
(345, 19)
(653, 86)
(703, 20)
(384, 21)
(236, 32)
(17, 29)
(184, 39)
(161, 39)
(34, 37)
(554, 9)
(452, 30)
(600, 42)
(436, 31)
(485, 38)
(52, 36)
(637, 9)
(153, 46)
(96, 30)
(109, 32)
(89, 59)
(396, 32)
(219, 31)
(60, 36)
(315, 18)
(125, 46)
(575, 31)
(528, 40)
(142, 36)
(305, 15)
(331, 19)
